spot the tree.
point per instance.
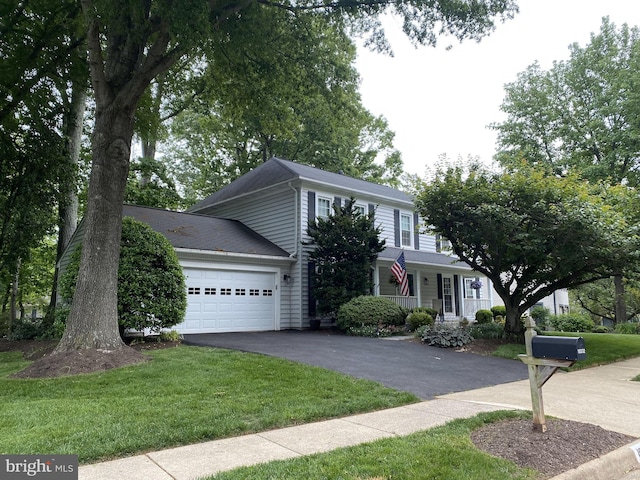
(130, 43)
(299, 101)
(598, 299)
(151, 285)
(346, 245)
(529, 233)
(581, 115)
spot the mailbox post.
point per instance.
(544, 356)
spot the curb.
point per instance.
(613, 465)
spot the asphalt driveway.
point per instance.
(400, 364)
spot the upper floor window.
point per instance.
(359, 209)
(324, 207)
(405, 230)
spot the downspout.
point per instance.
(295, 254)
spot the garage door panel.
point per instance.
(228, 301)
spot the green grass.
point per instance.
(602, 348)
(444, 452)
(185, 395)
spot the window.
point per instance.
(359, 209)
(241, 291)
(193, 291)
(469, 292)
(405, 230)
(324, 207)
(225, 291)
(209, 291)
(447, 294)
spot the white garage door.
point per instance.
(229, 301)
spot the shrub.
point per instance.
(540, 315)
(417, 319)
(484, 316)
(368, 310)
(600, 329)
(571, 322)
(170, 336)
(431, 311)
(499, 310)
(446, 336)
(487, 330)
(151, 287)
(32, 329)
(628, 328)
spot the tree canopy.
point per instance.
(530, 233)
(130, 44)
(582, 113)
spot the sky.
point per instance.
(440, 101)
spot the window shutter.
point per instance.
(456, 293)
(311, 271)
(439, 282)
(438, 243)
(478, 290)
(372, 208)
(396, 227)
(337, 201)
(311, 206)
(416, 234)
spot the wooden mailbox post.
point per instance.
(540, 370)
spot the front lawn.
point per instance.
(602, 348)
(185, 395)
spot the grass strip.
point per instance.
(602, 348)
(444, 452)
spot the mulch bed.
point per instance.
(564, 446)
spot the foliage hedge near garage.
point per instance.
(151, 285)
(368, 310)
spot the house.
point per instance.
(276, 201)
(247, 269)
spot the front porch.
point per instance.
(470, 306)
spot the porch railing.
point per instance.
(406, 302)
(472, 305)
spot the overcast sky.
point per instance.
(439, 101)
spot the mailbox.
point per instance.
(562, 348)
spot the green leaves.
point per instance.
(530, 233)
(345, 246)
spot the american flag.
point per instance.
(399, 270)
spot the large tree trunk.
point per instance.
(620, 304)
(513, 326)
(93, 320)
(68, 211)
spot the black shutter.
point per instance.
(416, 234)
(456, 293)
(438, 243)
(311, 206)
(396, 227)
(372, 208)
(311, 270)
(439, 281)
(337, 201)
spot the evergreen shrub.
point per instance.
(484, 316)
(571, 322)
(151, 287)
(369, 310)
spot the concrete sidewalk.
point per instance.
(603, 396)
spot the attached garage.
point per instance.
(221, 300)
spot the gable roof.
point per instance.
(278, 171)
(203, 232)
